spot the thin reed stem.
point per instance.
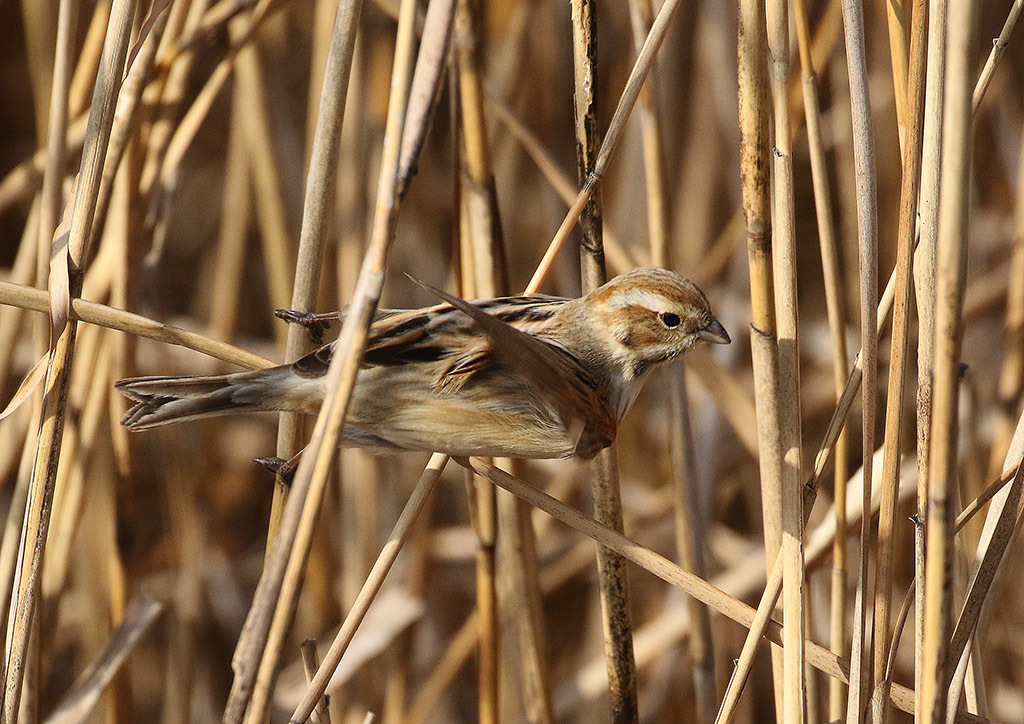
(867, 233)
(949, 290)
(899, 355)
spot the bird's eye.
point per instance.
(669, 319)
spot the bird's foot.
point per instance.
(315, 324)
(284, 469)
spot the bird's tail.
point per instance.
(165, 400)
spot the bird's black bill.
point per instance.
(715, 333)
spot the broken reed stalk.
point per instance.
(321, 713)
(836, 312)
(999, 46)
(277, 596)
(319, 201)
(949, 289)
(867, 233)
(613, 582)
(754, 112)
(785, 271)
(817, 656)
(899, 356)
(51, 427)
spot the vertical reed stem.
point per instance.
(784, 261)
(614, 584)
(949, 290)
(899, 356)
(867, 233)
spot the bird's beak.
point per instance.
(714, 333)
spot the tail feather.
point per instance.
(165, 400)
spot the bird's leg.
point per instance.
(285, 469)
(315, 324)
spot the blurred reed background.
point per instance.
(210, 194)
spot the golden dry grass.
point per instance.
(218, 182)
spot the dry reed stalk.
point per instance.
(135, 324)
(867, 233)
(482, 256)
(171, 88)
(1011, 377)
(460, 647)
(898, 361)
(374, 580)
(641, 67)
(189, 538)
(88, 403)
(837, 329)
(485, 249)
(754, 111)
(274, 605)
(784, 268)
(24, 179)
(74, 255)
(999, 46)
(166, 148)
(950, 273)
(23, 272)
(322, 31)
(819, 657)
(899, 23)
(691, 540)
(271, 218)
(924, 284)
(82, 83)
(38, 22)
(641, 15)
(618, 256)
(773, 588)
(1000, 524)
(51, 200)
(321, 714)
(966, 515)
(130, 96)
(604, 473)
(233, 235)
(79, 703)
(319, 200)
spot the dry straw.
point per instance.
(175, 170)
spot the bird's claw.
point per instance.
(315, 324)
(284, 469)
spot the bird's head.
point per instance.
(651, 316)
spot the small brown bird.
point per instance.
(528, 376)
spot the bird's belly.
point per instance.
(486, 420)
